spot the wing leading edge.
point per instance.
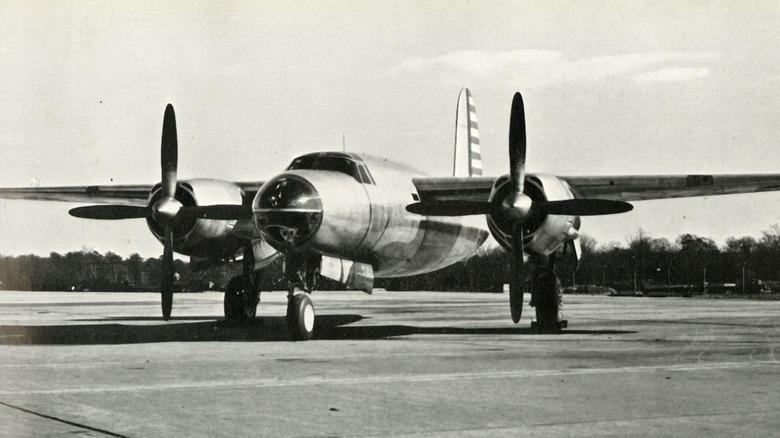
(619, 188)
(130, 195)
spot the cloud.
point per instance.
(673, 74)
(541, 68)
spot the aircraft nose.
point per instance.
(288, 210)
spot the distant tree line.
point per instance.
(646, 262)
(690, 260)
(84, 270)
(643, 263)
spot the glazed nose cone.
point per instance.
(288, 210)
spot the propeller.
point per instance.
(569, 207)
(517, 207)
(109, 212)
(165, 210)
(583, 207)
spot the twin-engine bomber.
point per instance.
(353, 218)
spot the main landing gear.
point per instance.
(243, 293)
(241, 299)
(546, 296)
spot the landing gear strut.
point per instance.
(243, 292)
(241, 299)
(547, 297)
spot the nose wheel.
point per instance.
(300, 317)
(301, 272)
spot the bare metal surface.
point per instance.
(429, 364)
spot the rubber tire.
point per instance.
(547, 311)
(237, 302)
(300, 318)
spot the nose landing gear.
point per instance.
(300, 317)
(301, 272)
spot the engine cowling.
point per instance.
(200, 237)
(543, 234)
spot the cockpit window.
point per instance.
(365, 175)
(333, 162)
(304, 162)
(337, 164)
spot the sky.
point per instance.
(610, 87)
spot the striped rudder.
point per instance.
(468, 155)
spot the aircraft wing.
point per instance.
(618, 188)
(453, 188)
(135, 195)
(640, 188)
(132, 195)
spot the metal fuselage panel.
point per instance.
(369, 223)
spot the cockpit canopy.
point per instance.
(349, 164)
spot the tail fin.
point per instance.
(468, 156)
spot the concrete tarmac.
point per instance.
(392, 364)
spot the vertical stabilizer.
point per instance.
(468, 155)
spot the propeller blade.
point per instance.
(451, 208)
(167, 274)
(109, 212)
(215, 212)
(517, 277)
(584, 207)
(169, 155)
(517, 143)
(577, 246)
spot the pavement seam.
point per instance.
(61, 420)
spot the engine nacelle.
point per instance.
(201, 237)
(543, 234)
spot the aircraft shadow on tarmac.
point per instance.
(329, 327)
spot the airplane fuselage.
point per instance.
(362, 217)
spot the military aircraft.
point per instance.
(353, 218)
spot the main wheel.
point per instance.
(240, 300)
(547, 301)
(300, 317)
